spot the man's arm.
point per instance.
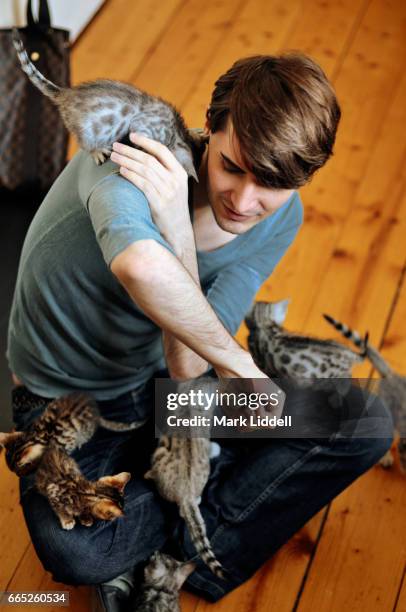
(159, 284)
(164, 285)
(182, 362)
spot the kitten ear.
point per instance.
(183, 572)
(118, 481)
(156, 567)
(279, 310)
(7, 438)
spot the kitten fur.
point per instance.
(301, 358)
(163, 578)
(103, 111)
(69, 422)
(392, 389)
(180, 468)
(72, 497)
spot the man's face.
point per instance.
(237, 201)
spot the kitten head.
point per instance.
(263, 314)
(165, 571)
(23, 454)
(108, 498)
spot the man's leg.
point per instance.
(91, 555)
(262, 492)
(259, 494)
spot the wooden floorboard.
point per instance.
(349, 258)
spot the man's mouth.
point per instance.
(233, 215)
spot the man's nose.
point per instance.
(244, 199)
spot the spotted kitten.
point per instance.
(101, 112)
(72, 496)
(163, 578)
(278, 352)
(69, 422)
(180, 468)
(392, 390)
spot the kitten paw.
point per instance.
(67, 523)
(100, 155)
(387, 460)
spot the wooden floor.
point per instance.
(349, 259)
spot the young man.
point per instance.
(122, 274)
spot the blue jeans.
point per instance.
(260, 492)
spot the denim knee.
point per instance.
(71, 556)
(371, 436)
(371, 450)
(91, 555)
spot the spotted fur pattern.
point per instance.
(163, 578)
(67, 422)
(304, 359)
(101, 112)
(392, 390)
(72, 497)
(180, 469)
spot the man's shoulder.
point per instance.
(106, 188)
(90, 175)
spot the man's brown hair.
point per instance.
(284, 113)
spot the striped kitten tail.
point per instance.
(49, 89)
(193, 518)
(347, 332)
(118, 426)
(374, 356)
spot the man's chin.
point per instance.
(232, 227)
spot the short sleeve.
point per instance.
(120, 215)
(234, 288)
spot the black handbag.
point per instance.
(33, 138)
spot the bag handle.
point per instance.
(44, 17)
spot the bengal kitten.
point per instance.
(72, 496)
(163, 579)
(180, 468)
(101, 112)
(69, 422)
(392, 390)
(301, 358)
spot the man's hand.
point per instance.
(159, 175)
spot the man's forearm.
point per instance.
(167, 293)
(182, 362)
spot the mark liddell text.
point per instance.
(223, 421)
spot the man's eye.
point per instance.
(231, 170)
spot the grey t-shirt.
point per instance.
(72, 325)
